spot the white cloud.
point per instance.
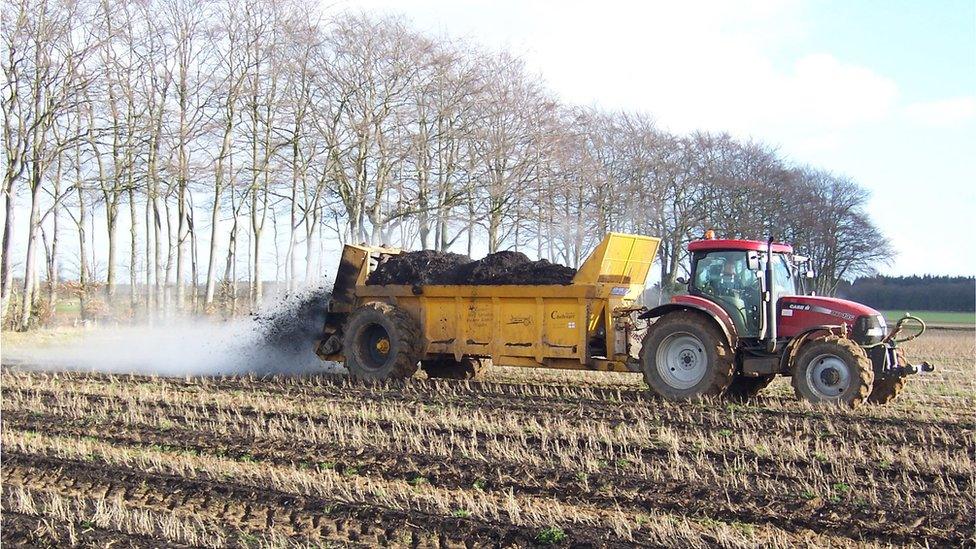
(696, 70)
(943, 113)
(710, 65)
(824, 91)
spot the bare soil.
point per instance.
(429, 463)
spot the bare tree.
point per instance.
(51, 82)
(249, 113)
(232, 66)
(504, 144)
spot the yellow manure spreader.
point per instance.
(455, 331)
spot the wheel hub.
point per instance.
(375, 347)
(829, 376)
(681, 360)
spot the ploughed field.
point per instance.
(530, 457)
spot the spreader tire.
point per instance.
(381, 341)
(448, 368)
(745, 388)
(833, 370)
(685, 356)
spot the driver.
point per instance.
(727, 281)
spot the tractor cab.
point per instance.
(732, 274)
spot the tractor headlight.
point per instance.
(869, 329)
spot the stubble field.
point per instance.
(528, 457)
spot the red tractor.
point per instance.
(745, 319)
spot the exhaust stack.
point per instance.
(770, 299)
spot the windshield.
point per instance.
(783, 275)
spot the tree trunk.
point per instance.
(82, 251)
(27, 300)
(6, 273)
(133, 249)
(215, 209)
(53, 267)
(194, 263)
(111, 217)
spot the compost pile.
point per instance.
(430, 267)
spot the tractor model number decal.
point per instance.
(819, 309)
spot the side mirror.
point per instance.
(681, 280)
(753, 261)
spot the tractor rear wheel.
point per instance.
(684, 356)
(833, 370)
(744, 388)
(887, 386)
(381, 341)
(469, 367)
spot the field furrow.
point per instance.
(637, 442)
(93, 459)
(794, 512)
(583, 403)
(287, 501)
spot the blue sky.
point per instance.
(883, 92)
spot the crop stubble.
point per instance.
(515, 461)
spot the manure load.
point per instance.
(501, 268)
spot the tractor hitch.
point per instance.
(911, 369)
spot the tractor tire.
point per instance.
(469, 367)
(744, 388)
(833, 370)
(380, 342)
(684, 356)
(887, 386)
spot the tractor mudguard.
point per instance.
(709, 309)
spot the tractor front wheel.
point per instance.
(684, 356)
(833, 370)
(381, 341)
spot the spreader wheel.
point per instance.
(833, 370)
(745, 388)
(469, 367)
(684, 356)
(381, 341)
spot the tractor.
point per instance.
(746, 319)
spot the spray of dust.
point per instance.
(277, 340)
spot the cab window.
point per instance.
(724, 277)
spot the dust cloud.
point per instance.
(278, 340)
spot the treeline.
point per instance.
(221, 142)
(914, 293)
